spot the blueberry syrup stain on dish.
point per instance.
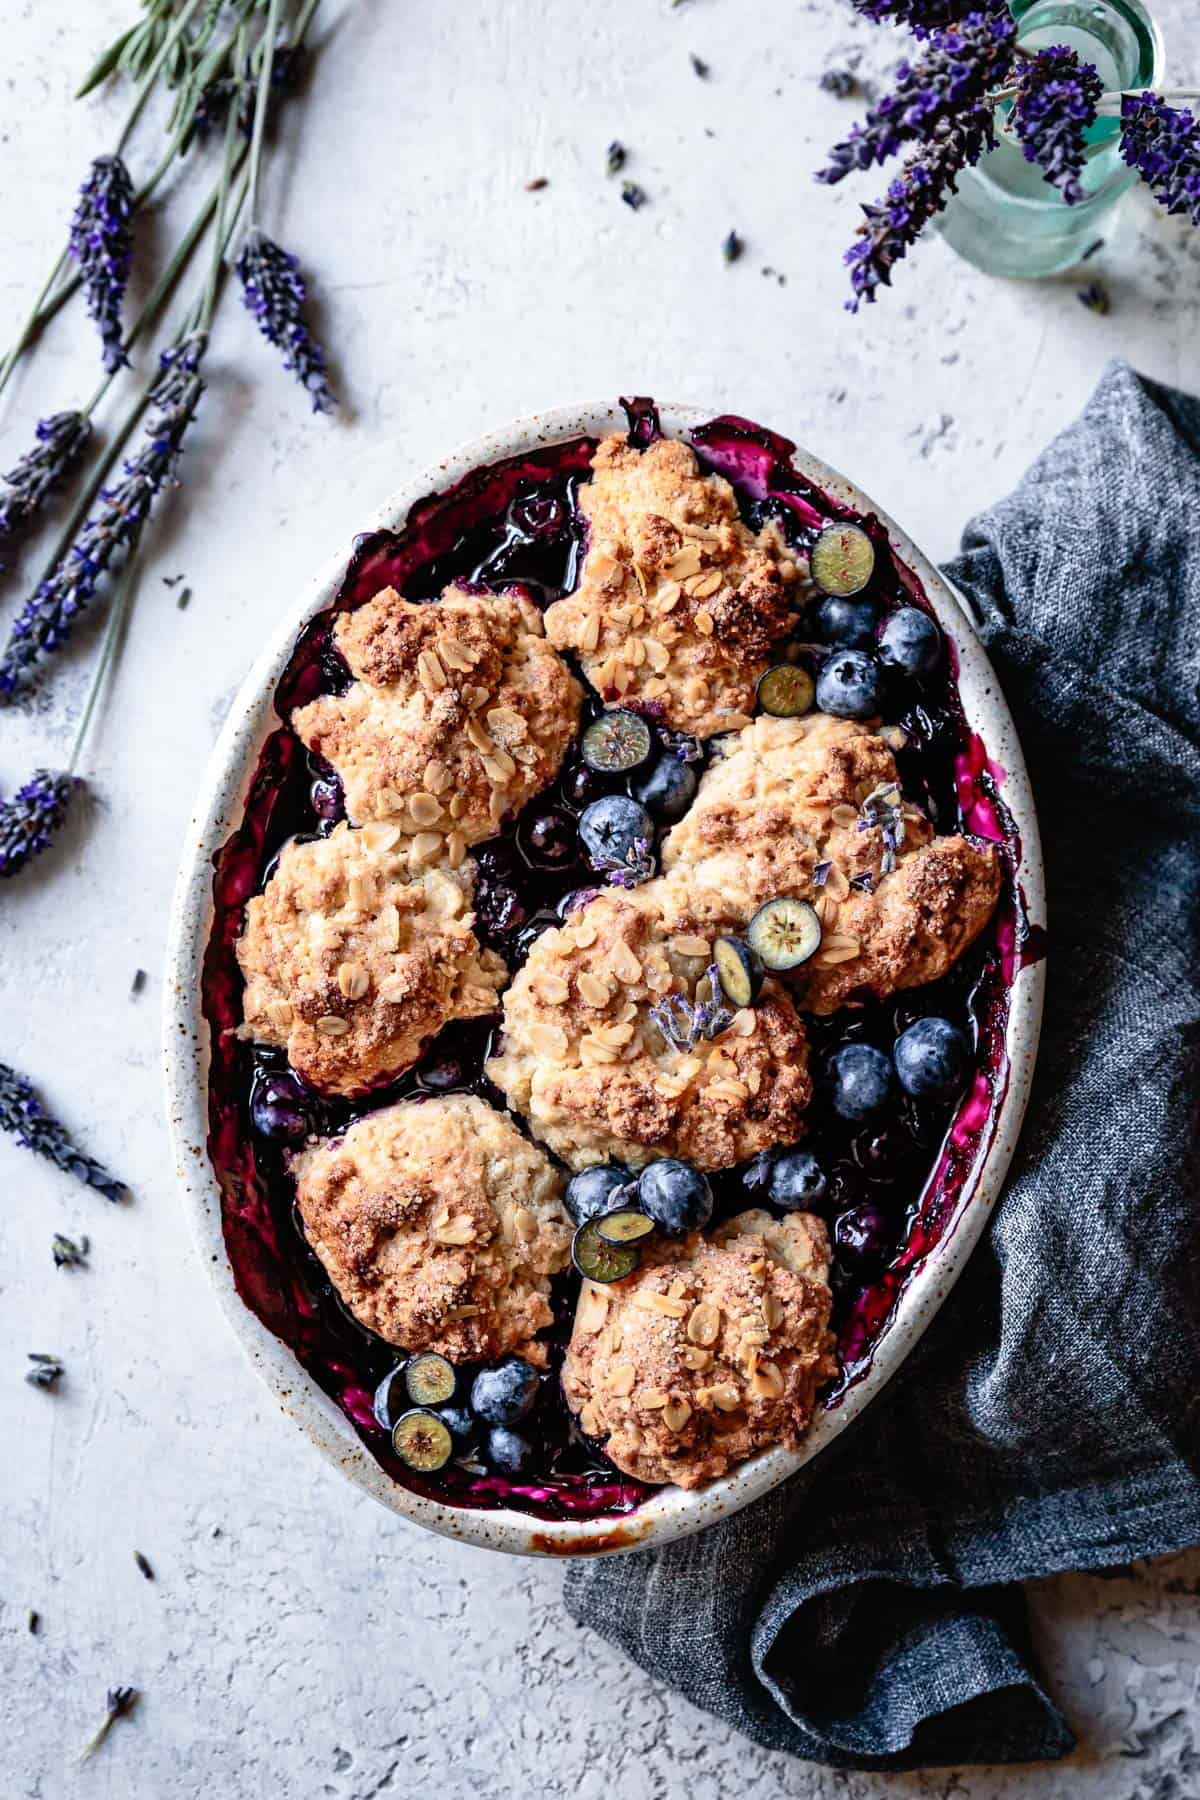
(893, 1183)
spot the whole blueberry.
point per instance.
(462, 1425)
(593, 1191)
(668, 789)
(581, 784)
(328, 801)
(861, 1081)
(910, 642)
(850, 624)
(538, 515)
(548, 839)
(931, 1059)
(391, 1398)
(862, 1234)
(507, 1451)
(797, 1181)
(676, 1196)
(278, 1109)
(442, 1074)
(611, 827)
(849, 685)
(876, 1151)
(503, 1395)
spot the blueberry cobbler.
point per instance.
(609, 975)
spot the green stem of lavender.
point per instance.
(227, 168)
(112, 631)
(151, 76)
(304, 21)
(270, 31)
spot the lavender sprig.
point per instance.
(25, 1118)
(47, 619)
(892, 225)
(684, 1023)
(118, 1704)
(101, 242)
(61, 441)
(959, 67)
(1055, 103)
(274, 290)
(1163, 144)
(881, 810)
(30, 820)
(921, 16)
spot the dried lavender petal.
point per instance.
(820, 874)
(29, 821)
(101, 242)
(24, 1117)
(629, 871)
(47, 619)
(61, 441)
(274, 291)
(67, 1253)
(1055, 102)
(47, 1371)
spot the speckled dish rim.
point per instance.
(673, 1512)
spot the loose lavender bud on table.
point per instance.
(47, 619)
(102, 244)
(1055, 103)
(1163, 144)
(24, 1117)
(29, 821)
(61, 441)
(274, 291)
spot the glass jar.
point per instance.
(1006, 218)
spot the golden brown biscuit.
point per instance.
(459, 712)
(595, 1076)
(354, 955)
(788, 795)
(440, 1226)
(713, 1350)
(678, 604)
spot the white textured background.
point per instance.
(298, 1640)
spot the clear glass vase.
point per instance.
(1006, 218)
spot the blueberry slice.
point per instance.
(625, 1227)
(668, 789)
(862, 1081)
(430, 1379)
(797, 1181)
(677, 1197)
(600, 1261)
(786, 691)
(784, 933)
(739, 969)
(842, 561)
(610, 828)
(616, 743)
(850, 685)
(391, 1397)
(931, 1059)
(503, 1395)
(422, 1441)
(507, 1451)
(910, 642)
(594, 1191)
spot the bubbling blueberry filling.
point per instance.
(893, 1134)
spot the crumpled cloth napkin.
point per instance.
(867, 1614)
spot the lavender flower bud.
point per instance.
(31, 818)
(921, 16)
(61, 441)
(1163, 144)
(47, 619)
(959, 67)
(1055, 103)
(23, 1115)
(274, 291)
(893, 224)
(102, 244)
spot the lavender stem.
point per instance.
(270, 32)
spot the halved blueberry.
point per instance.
(627, 1226)
(507, 1451)
(600, 1261)
(668, 789)
(784, 933)
(797, 1181)
(676, 1196)
(504, 1394)
(616, 743)
(611, 827)
(910, 642)
(850, 624)
(593, 1191)
(931, 1059)
(862, 1081)
(849, 685)
(842, 561)
(740, 970)
(786, 691)
(430, 1379)
(422, 1441)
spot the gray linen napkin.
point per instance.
(866, 1615)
